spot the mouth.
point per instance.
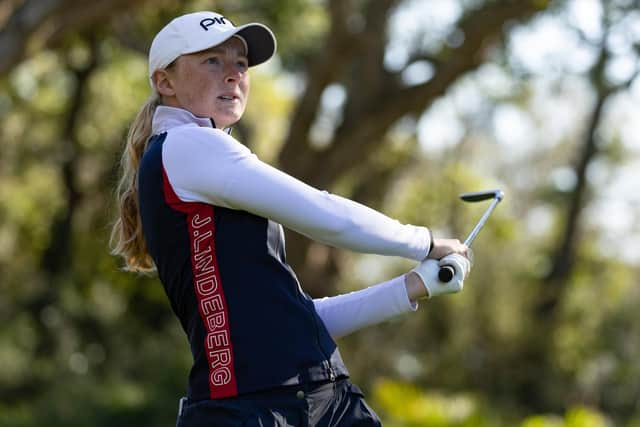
(228, 98)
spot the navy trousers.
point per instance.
(331, 404)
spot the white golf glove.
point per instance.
(428, 272)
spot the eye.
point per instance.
(213, 60)
(242, 64)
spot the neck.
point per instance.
(172, 101)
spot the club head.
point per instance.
(479, 196)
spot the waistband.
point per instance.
(299, 391)
(294, 390)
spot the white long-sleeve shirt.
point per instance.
(204, 164)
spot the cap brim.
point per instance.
(261, 42)
(259, 38)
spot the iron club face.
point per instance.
(479, 196)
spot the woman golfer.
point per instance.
(199, 207)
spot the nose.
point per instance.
(232, 74)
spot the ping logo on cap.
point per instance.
(219, 20)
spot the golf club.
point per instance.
(447, 272)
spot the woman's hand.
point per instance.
(424, 280)
(444, 247)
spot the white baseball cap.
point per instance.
(198, 31)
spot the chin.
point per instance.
(226, 120)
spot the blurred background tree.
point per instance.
(399, 104)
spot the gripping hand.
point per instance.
(428, 272)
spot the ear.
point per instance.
(163, 82)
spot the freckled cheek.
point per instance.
(189, 90)
(244, 88)
(205, 91)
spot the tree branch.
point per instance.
(481, 29)
(40, 24)
(20, 26)
(330, 64)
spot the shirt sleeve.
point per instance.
(347, 313)
(207, 165)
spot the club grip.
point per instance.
(446, 273)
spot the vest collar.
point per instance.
(166, 118)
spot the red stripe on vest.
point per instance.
(209, 293)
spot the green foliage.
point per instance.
(575, 417)
(141, 392)
(404, 405)
(87, 344)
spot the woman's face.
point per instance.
(212, 83)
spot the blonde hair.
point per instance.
(127, 239)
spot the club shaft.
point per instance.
(480, 223)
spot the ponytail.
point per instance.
(127, 240)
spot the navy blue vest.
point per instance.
(249, 324)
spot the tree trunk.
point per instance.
(57, 258)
